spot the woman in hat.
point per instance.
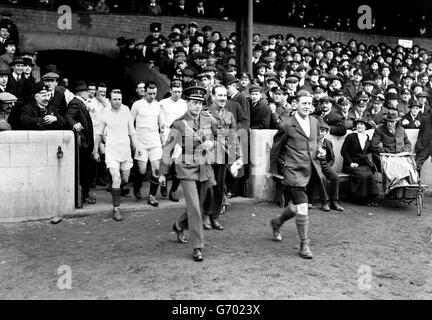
(357, 165)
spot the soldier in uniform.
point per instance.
(227, 150)
(193, 132)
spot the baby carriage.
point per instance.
(401, 179)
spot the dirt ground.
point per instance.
(140, 259)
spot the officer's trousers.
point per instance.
(195, 193)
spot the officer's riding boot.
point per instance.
(137, 184)
(302, 222)
(154, 184)
(115, 192)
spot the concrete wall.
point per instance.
(98, 32)
(261, 141)
(35, 184)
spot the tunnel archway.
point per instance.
(82, 65)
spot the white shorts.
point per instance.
(117, 165)
(151, 154)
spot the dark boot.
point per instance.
(115, 193)
(123, 190)
(154, 185)
(137, 184)
(324, 206)
(302, 222)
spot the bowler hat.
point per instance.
(422, 95)
(28, 62)
(414, 104)
(391, 116)
(392, 96)
(78, 86)
(230, 80)
(17, 60)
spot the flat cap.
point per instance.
(7, 97)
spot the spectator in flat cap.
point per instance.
(376, 109)
(59, 95)
(38, 114)
(422, 100)
(413, 118)
(329, 115)
(260, 112)
(6, 20)
(358, 111)
(345, 105)
(352, 87)
(404, 101)
(244, 84)
(7, 102)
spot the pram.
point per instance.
(401, 179)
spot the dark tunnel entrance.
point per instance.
(82, 65)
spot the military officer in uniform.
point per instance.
(193, 132)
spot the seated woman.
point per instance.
(390, 137)
(357, 165)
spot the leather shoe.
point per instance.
(152, 201)
(325, 207)
(206, 222)
(216, 224)
(173, 197)
(277, 236)
(335, 206)
(197, 254)
(117, 214)
(180, 233)
(164, 191)
(89, 200)
(231, 195)
(124, 192)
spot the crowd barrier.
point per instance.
(37, 175)
(261, 142)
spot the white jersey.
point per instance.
(95, 108)
(146, 117)
(119, 126)
(170, 111)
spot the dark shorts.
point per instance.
(298, 195)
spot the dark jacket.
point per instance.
(244, 103)
(411, 124)
(390, 143)
(260, 115)
(336, 123)
(295, 152)
(424, 141)
(32, 118)
(352, 152)
(77, 113)
(237, 111)
(330, 156)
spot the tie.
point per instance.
(196, 124)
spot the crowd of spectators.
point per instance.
(411, 18)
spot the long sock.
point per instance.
(175, 184)
(286, 215)
(302, 222)
(154, 184)
(115, 192)
(138, 180)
